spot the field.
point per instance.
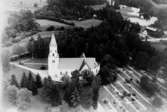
(160, 46)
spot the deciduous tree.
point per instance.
(12, 94)
(24, 99)
(74, 98)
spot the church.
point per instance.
(58, 67)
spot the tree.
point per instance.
(40, 48)
(35, 5)
(17, 49)
(24, 81)
(23, 99)
(25, 21)
(96, 86)
(31, 84)
(50, 28)
(66, 80)
(68, 90)
(12, 91)
(108, 59)
(74, 98)
(107, 75)
(87, 76)
(50, 92)
(155, 63)
(38, 81)
(148, 86)
(141, 60)
(21, 22)
(75, 77)
(31, 46)
(86, 96)
(13, 81)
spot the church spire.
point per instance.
(53, 42)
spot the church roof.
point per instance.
(76, 63)
(53, 41)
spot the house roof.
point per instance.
(76, 63)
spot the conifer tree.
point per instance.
(38, 81)
(50, 81)
(13, 81)
(24, 81)
(32, 86)
(95, 86)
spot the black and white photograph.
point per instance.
(83, 56)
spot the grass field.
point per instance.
(160, 46)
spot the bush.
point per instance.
(12, 94)
(157, 102)
(50, 28)
(148, 86)
(24, 99)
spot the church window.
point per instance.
(53, 54)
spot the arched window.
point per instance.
(53, 54)
(53, 61)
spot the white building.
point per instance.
(58, 67)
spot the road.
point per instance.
(43, 73)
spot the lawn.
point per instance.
(87, 23)
(44, 23)
(34, 60)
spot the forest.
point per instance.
(65, 9)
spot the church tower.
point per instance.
(53, 59)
